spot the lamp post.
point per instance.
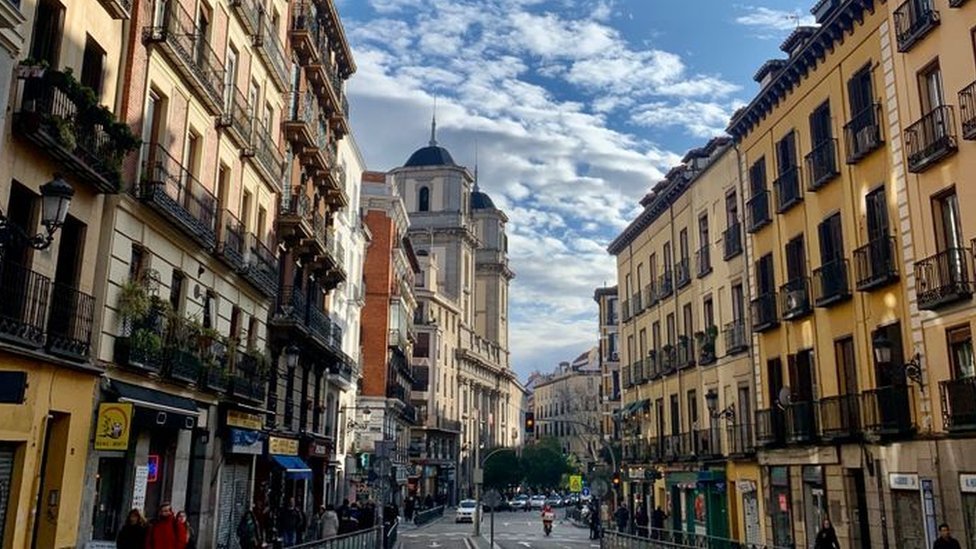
(55, 201)
(884, 353)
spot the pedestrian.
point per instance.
(657, 520)
(826, 537)
(367, 516)
(133, 533)
(190, 540)
(622, 517)
(594, 520)
(329, 523)
(165, 532)
(288, 523)
(250, 535)
(640, 520)
(428, 502)
(302, 522)
(408, 509)
(945, 540)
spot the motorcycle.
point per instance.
(547, 519)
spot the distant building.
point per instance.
(567, 407)
(609, 358)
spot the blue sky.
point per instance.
(577, 109)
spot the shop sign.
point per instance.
(244, 441)
(636, 473)
(113, 426)
(745, 486)
(244, 420)
(282, 446)
(139, 487)
(900, 481)
(967, 483)
(317, 448)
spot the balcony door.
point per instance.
(877, 216)
(801, 376)
(820, 130)
(952, 266)
(861, 95)
(931, 90)
(765, 281)
(786, 153)
(960, 342)
(15, 257)
(230, 79)
(65, 312)
(675, 416)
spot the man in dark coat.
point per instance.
(622, 516)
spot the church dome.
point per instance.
(432, 155)
(481, 201)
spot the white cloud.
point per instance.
(766, 20)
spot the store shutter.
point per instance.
(6, 477)
(232, 501)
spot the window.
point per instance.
(930, 90)
(260, 227)
(156, 114)
(671, 329)
(642, 344)
(254, 99)
(667, 258)
(176, 291)
(831, 240)
(46, 37)
(675, 416)
(92, 66)
(423, 199)
(252, 333)
(708, 313)
(731, 209)
(820, 130)
(223, 186)
(860, 93)
(683, 244)
(656, 334)
(877, 214)
(786, 153)
(191, 161)
(846, 367)
(947, 223)
(960, 345)
(688, 319)
(210, 310)
(765, 281)
(230, 77)
(795, 259)
(738, 302)
(757, 176)
(693, 408)
(246, 210)
(137, 262)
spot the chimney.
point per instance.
(768, 71)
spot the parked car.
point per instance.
(554, 501)
(520, 501)
(537, 501)
(465, 510)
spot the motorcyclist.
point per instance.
(547, 517)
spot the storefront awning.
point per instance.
(165, 409)
(293, 466)
(634, 407)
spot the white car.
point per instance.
(520, 501)
(537, 501)
(465, 510)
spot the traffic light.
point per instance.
(530, 422)
(616, 480)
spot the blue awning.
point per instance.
(293, 466)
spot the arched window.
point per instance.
(424, 200)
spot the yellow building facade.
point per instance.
(686, 373)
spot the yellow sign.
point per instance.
(244, 420)
(282, 446)
(113, 426)
(575, 483)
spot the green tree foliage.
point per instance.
(543, 464)
(502, 470)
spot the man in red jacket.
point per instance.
(165, 532)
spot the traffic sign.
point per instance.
(586, 491)
(599, 487)
(493, 498)
(575, 483)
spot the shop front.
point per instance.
(283, 474)
(315, 452)
(698, 502)
(744, 502)
(243, 439)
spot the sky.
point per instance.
(576, 109)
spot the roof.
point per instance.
(481, 201)
(431, 155)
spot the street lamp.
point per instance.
(883, 354)
(292, 353)
(55, 200)
(711, 401)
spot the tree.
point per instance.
(502, 470)
(544, 463)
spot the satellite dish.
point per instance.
(785, 397)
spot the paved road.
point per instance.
(512, 531)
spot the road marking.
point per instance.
(434, 544)
(524, 544)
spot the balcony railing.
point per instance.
(764, 311)
(787, 188)
(261, 266)
(875, 264)
(958, 404)
(840, 417)
(190, 53)
(677, 447)
(795, 296)
(305, 31)
(301, 120)
(269, 158)
(652, 365)
(913, 20)
(732, 241)
(24, 296)
(931, 139)
(682, 272)
(830, 283)
(757, 208)
(703, 261)
(636, 303)
(118, 9)
(625, 310)
(943, 278)
(801, 422)
(888, 411)
(736, 338)
(821, 164)
(637, 372)
(684, 352)
(770, 428)
(665, 285)
(170, 189)
(269, 49)
(236, 118)
(741, 441)
(863, 133)
(626, 377)
(231, 245)
(967, 111)
(707, 443)
(249, 14)
(50, 118)
(650, 294)
(292, 305)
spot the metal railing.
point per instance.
(665, 285)
(862, 134)
(913, 20)
(703, 261)
(757, 208)
(231, 243)
(764, 311)
(840, 416)
(732, 241)
(967, 111)
(801, 422)
(795, 298)
(875, 263)
(741, 439)
(69, 326)
(958, 404)
(237, 117)
(365, 539)
(889, 411)
(770, 427)
(174, 192)
(830, 283)
(267, 154)
(654, 538)
(262, 266)
(428, 515)
(682, 272)
(249, 12)
(943, 278)
(24, 295)
(931, 138)
(822, 164)
(787, 188)
(271, 51)
(736, 339)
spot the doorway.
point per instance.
(860, 530)
(53, 457)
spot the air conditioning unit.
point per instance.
(794, 299)
(615, 356)
(867, 138)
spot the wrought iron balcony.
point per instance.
(267, 45)
(236, 119)
(316, 245)
(248, 12)
(305, 31)
(770, 428)
(830, 283)
(703, 261)
(651, 366)
(626, 376)
(231, 245)
(862, 134)
(261, 266)
(665, 285)
(684, 352)
(140, 345)
(888, 411)
(741, 440)
(875, 264)
(181, 349)
(676, 447)
(270, 161)
(637, 372)
(736, 338)
(117, 9)
(650, 294)
(931, 139)
(668, 357)
(757, 208)
(840, 417)
(636, 303)
(958, 404)
(682, 272)
(801, 422)
(295, 216)
(732, 241)
(170, 189)
(822, 164)
(967, 111)
(184, 45)
(300, 121)
(50, 118)
(24, 296)
(707, 443)
(913, 20)
(795, 297)
(764, 311)
(248, 382)
(625, 310)
(787, 188)
(322, 328)
(944, 278)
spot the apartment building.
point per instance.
(686, 374)
(390, 272)
(465, 292)
(60, 160)
(831, 309)
(568, 409)
(608, 307)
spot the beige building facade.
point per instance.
(568, 408)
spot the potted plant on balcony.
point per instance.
(217, 358)
(139, 341)
(182, 348)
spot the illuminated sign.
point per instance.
(153, 464)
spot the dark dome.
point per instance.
(481, 201)
(430, 156)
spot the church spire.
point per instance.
(433, 126)
(475, 165)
